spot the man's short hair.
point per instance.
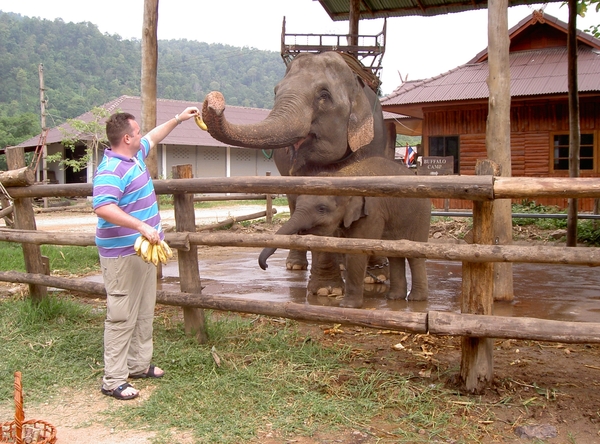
(117, 126)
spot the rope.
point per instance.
(5, 193)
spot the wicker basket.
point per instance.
(19, 431)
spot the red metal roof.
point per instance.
(533, 72)
(185, 134)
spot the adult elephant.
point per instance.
(367, 218)
(324, 117)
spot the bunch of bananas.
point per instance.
(152, 252)
(200, 122)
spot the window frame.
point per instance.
(583, 172)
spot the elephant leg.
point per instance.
(419, 288)
(398, 283)
(296, 260)
(377, 270)
(356, 266)
(325, 275)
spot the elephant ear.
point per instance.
(355, 209)
(360, 124)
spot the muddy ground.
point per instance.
(548, 390)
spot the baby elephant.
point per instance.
(388, 218)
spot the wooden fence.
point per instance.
(475, 324)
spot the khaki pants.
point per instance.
(131, 295)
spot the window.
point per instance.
(445, 146)
(561, 152)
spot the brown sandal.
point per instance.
(118, 392)
(149, 374)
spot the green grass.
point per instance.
(63, 259)
(271, 377)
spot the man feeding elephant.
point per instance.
(125, 203)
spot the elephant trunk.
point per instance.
(284, 126)
(292, 226)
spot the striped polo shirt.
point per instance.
(125, 182)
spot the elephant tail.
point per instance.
(264, 255)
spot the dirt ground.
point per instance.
(541, 392)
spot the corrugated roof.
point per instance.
(371, 9)
(535, 72)
(186, 134)
(532, 73)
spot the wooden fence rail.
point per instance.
(476, 253)
(434, 322)
(474, 188)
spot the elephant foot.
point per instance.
(378, 270)
(371, 278)
(375, 289)
(353, 302)
(396, 295)
(417, 295)
(329, 291)
(296, 260)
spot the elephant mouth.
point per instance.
(300, 149)
(308, 140)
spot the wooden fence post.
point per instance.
(189, 274)
(269, 205)
(477, 363)
(24, 219)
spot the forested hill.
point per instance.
(84, 68)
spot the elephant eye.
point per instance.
(322, 209)
(324, 95)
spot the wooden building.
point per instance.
(453, 106)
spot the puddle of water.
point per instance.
(559, 292)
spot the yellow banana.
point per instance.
(137, 245)
(154, 256)
(161, 253)
(145, 249)
(200, 122)
(166, 249)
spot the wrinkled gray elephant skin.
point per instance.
(386, 218)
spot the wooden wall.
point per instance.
(533, 125)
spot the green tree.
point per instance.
(92, 132)
(582, 9)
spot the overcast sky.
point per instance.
(417, 47)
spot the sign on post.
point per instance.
(435, 166)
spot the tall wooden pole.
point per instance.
(354, 18)
(44, 172)
(498, 134)
(574, 130)
(148, 83)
